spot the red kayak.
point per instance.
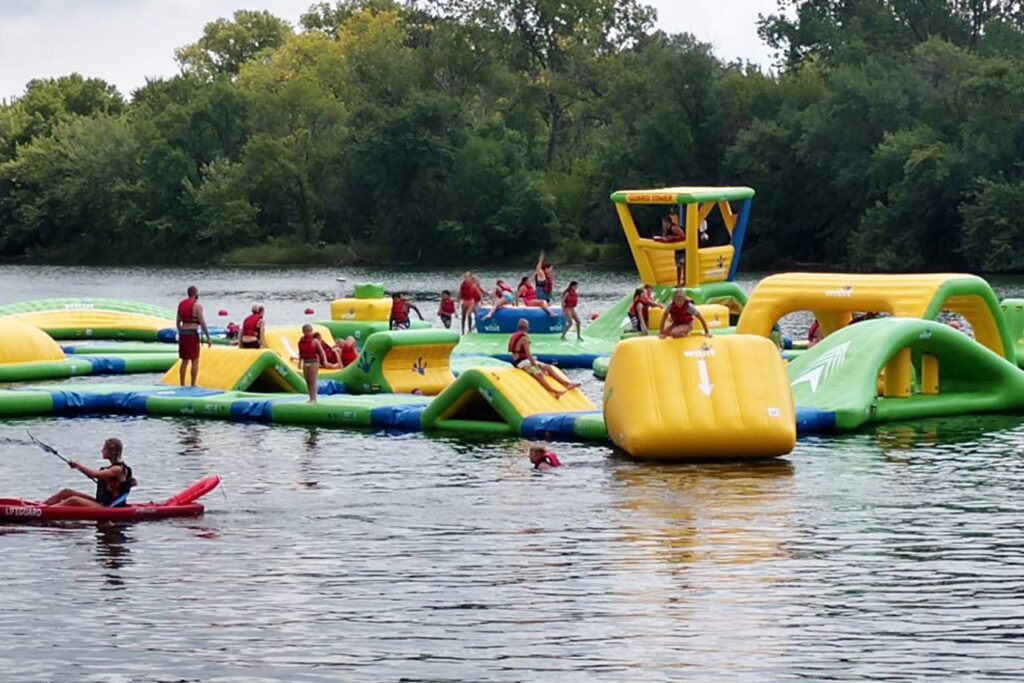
(181, 504)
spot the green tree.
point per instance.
(228, 44)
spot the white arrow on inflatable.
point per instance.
(705, 382)
(829, 361)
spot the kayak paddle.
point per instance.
(51, 449)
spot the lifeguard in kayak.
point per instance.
(113, 482)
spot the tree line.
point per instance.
(888, 136)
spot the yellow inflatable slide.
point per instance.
(725, 397)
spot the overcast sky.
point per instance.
(126, 41)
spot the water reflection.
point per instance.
(721, 513)
(190, 437)
(112, 551)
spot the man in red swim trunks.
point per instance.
(190, 321)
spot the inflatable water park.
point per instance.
(884, 351)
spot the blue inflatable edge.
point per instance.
(405, 418)
(812, 420)
(105, 365)
(553, 425)
(578, 360)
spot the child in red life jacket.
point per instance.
(400, 307)
(446, 309)
(543, 459)
(570, 299)
(678, 319)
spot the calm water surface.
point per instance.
(894, 553)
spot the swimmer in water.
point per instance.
(542, 459)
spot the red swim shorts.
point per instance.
(188, 345)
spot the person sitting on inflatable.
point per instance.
(251, 336)
(640, 308)
(113, 482)
(678, 319)
(526, 295)
(543, 459)
(400, 307)
(522, 358)
(446, 309)
(347, 351)
(503, 296)
(331, 355)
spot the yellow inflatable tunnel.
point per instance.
(23, 343)
(233, 369)
(699, 399)
(834, 297)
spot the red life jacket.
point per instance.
(187, 311)
(570, 299)
(330, 354)
(466, 290)
(399, 311)
(529, 293)
(549, 283)
(448, 306)
(348, 355)
(680, 314)
(513, 346)
(307, 348)
(637, 302)
(251, 325)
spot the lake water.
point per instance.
(893, 553)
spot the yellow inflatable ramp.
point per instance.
(699, 399)
(498, 400)
(285, 340)
(233, 369)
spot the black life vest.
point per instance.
(108, 492)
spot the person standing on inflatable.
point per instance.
(190, 320)
(570, 299)
(446, 309)
(400, 307)
(467, 299)
(678, 319)
(311, 357)
(251, 335)
(543, 279)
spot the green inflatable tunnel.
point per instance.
(901, 369)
